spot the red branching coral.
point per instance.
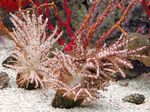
(62, 23)
(91, 23)
(13, 5)
(146, 5)
(86, 26)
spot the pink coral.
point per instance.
(84, 71)
(32, 49)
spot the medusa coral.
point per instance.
(83, 72)
(32, 49)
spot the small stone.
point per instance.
(124, 83)
(61, 101)
(134, 98)
(4, 78)
(9, 61)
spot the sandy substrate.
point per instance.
(13, 99)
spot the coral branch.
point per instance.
(117, 25)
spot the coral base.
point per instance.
(29, 86)
(64, 102)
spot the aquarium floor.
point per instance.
(14, 99)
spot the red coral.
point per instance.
(61, 23)
(12, 5)
(146, 6)
(69, 47)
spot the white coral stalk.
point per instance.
(33, 47)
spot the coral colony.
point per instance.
(77, 72)
(32, 49)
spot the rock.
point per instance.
(124, 83)
(130, 74)
(3, 79)
(9, 61)
(139, 68)
(64, 102)
(78, 14)
(134, 98)
(141, 40)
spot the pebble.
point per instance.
(134, 98)
(4, 78)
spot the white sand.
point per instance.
(13, 99)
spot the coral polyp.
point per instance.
(32, 49)
(84, 72)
